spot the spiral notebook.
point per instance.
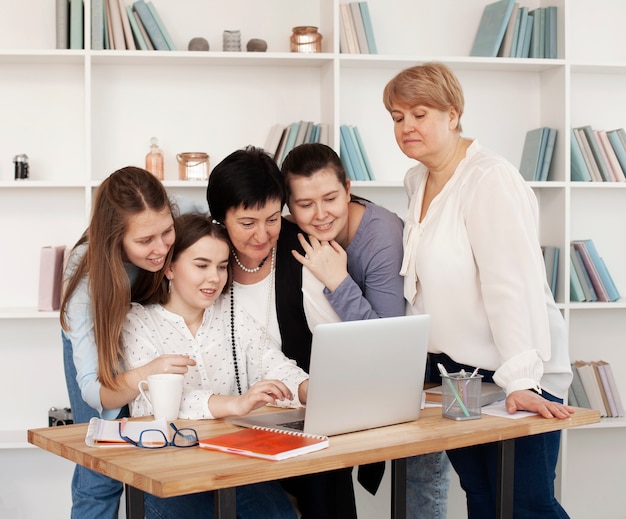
(363, 374)
(269, 444)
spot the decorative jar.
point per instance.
(305, 38)
(193, 166)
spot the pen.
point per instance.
(444, 374)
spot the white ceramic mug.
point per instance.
(166, 391)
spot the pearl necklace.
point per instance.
(246, 269)
(270, 294)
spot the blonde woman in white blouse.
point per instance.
(234, 373)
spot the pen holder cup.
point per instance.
(460, 399)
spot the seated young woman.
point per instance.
(238, 369)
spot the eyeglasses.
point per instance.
(156, 438)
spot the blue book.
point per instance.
(369, 30)
(618, 147)
(579, 170)
(531, 153)
(138, 37)
(592, 270)
(516, 29)
(521, 35)
(581, 271)
(491, 29)
(528, 35)
(596, 151)
(536, 48)
(162, 28)
(547, 154)
(345, 158)
(290, 140)
(551, 32)
(151, 26)
(361, 146)
(358, 167)
(551, 260)
(576, 292)
(605, 276)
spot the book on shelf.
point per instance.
(579, 171)
(108, 29)
(116, 25)
(605, 276)
(578, 389)
(345, 158)
(491, 29)
(50, 277)
(266, 443)
(76, 24)
(537, 36)
(369, 28)
(522, 14)
(537, 153)
(303, 128)
(142, 30)
(272, 141)
(551, 260)
(152, 28)
(140, 42)
(583, 276)
(361, 147)
(161, 25)
(358, 168)
(582, 246)
(618, 146)
(596, 152)
(516, 30)
(128, 32)
(551, 48)
(591, 387)
(510, 33)
(610, 378)
(607, 392)
(347, 26)
(576, 290)
(98, 17)
(527, 37)
(585, 149)
(359, 27)
(489, 393)
(62, 19)
(290, 139)
(610, 156)
(106, 433)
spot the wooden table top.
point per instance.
(174, 471)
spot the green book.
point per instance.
(491, 29)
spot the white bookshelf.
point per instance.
(81, 114)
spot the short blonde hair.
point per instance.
(431, 84)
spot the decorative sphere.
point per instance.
(256, 45)
(198, 44)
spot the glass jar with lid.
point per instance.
(305, 38)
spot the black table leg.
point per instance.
(225, 503)
(506, 464)
(134, 502)
(398, 488)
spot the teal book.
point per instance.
(551, 260)
(150, 24)
(521, 34)
(592, 270)
(578, 389)
(509, 34)
(352, 153)
(581, 272)
(137, 36)
(528, 36)
(579, 170)
(290, 140)
(531, 153)
(551, 51)
(618, 147)
(576, 291)
(162, 28)
(345, 158)
(518, 19)
(491, 28)
(604, 273)
(598, 156)
(76, 24)
(361, 146)
(369, 30)
(547, 154)
(62, 19)
(536, 50)
(97, 24)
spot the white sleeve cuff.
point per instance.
(524, 371)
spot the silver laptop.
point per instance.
(363, 374)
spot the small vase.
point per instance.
(305, 38)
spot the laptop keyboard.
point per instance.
(298, 425)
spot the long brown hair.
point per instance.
(127, 192)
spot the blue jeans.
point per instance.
(427, 483)
(534, 473)
(259, 501)
(95, 496)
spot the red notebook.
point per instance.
(269, 444)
